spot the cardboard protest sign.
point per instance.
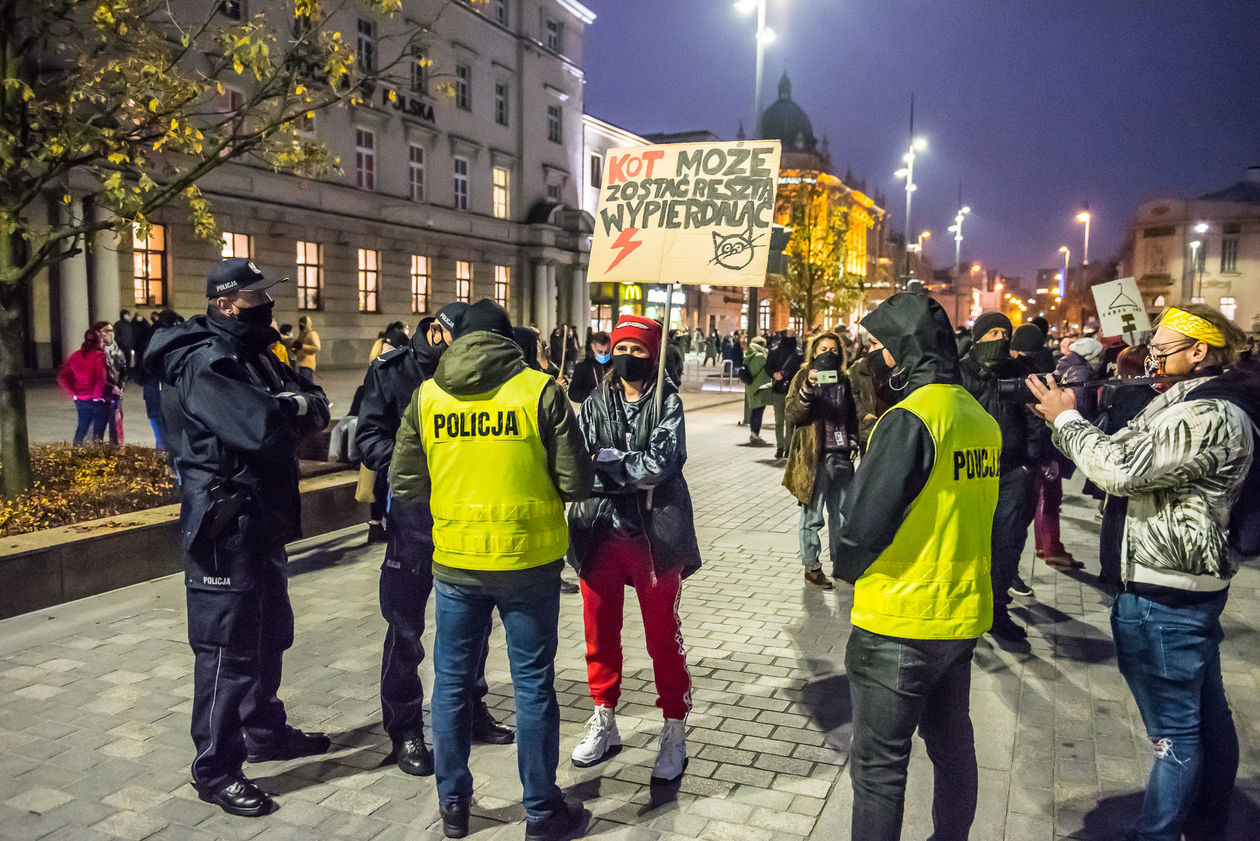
(686, 213)
(1121, 311)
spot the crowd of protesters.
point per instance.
(928, 452)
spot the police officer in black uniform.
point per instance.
(407, 573)
(235, 417)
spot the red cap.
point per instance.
(636, 328)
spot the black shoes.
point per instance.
(1019, 588)
(414, 757)
(1005, 630)
(488, 731)
(567, 586)
(454, 818)
(289, 743)
(240, 797)
(567, 821)
(376, 533)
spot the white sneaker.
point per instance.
(671, 761)
(754, 438)
(601, 741)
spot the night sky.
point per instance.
(1036, 106)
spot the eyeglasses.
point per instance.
(1161, 351)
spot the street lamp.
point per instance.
(1067, 255)
(1083, 216)
(907, 172)
(765, 35)
(919, 245)
(956, 230)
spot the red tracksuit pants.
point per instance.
(616, 564)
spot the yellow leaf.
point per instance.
(154, 104)
(66, 198)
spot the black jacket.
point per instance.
(387, 388)
(1022, 439)
(785, 359)
(234, 421)
(587, 375)
(631, 448)
(900, 455)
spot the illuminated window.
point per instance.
(798, 324)
(555, 124)
(310, 275)
(463, 280)
(369, 279)
(364, 159)
(236, 245)
(763, 316)
(461, 183)
(148, 261)
(419, 283)
(502, 285)
(501, 103)
(1229, 307)
(463, 87)
(502, 193)
(415, 172)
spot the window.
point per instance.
(365, 56)
(463, 84)
(597, 170)
(463, 281)
(1229, 256)
(501, 12)
(310, 275)
(419, 283)
(553, 192)
(502, 191)
(233, 100)
(553, 34)
(236, 245)
(501, 103)
(461, 183)
(369, 279)
(419, 71)
(415, 173)
(1228, 307)
(1200, 257)
(364, 159)
(798, 324)
(555, 124)
(148, 261)
(763, 316)
(502, 285)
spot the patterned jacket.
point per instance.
(1181, 463)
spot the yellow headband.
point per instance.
(1192, 327)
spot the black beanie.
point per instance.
(1027, 339)
(986, 321)
(1042, 325)
(487, 316)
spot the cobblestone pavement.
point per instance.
(94, 701)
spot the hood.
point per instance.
(170, 348)
(1237, 385)
(425, 354)
(477, 363)
(917, 333)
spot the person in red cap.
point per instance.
(636, 529)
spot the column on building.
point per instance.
(580, 301)
(552, 300)
(106, 293)
(73, 276)
(540, 297)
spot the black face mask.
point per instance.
(991, 354)
(631, 368)
(827, 361)
(259, 316)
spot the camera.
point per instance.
(827, 377)
(1015, 391)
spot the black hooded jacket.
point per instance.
(387, 388)
(234, 421)
(899, 457)
(1023, 441)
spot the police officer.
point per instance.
(407, 572)
(915, 544)
(235, 417)
(495, 448)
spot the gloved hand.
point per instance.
(296, 404)
(1051, 470)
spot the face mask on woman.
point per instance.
(632, 368)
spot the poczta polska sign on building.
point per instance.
(694, 213)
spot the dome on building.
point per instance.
(786, 122)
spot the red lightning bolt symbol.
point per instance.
(626, 242)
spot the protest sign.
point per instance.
(686, 213)
(1121, 311)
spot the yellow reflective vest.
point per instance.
(932, 582)
(495, 506)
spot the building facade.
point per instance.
(462, 181)
(1200, 250)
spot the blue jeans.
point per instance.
(91, 413)
(1170, 657)
(530, 618)
(831, 481)
(898, 686)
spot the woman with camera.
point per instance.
(820, 457)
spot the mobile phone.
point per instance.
(827, 376)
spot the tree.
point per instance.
(815, 206)
(127, 104)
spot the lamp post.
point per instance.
(764, 36)
(956, 230)
(1195, 264)
(1067, 255)
(1083, 216)
(907, 172)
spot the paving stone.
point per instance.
(130, 826)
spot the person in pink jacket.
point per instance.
(82, 377)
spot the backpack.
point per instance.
(745, 376)
(1244, 516)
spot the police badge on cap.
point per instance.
(237, 274)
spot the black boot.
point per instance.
(289, 743)
(240, 797)
(488, 731)
(454, 818)
(413, 756)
